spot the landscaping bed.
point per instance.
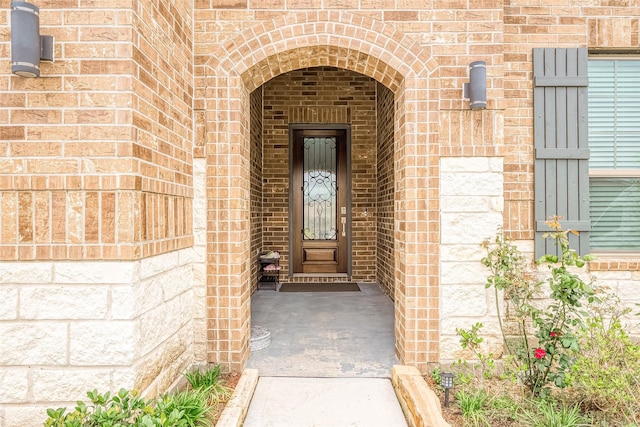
(230, 380)
(500, 403)
(567, 357)
(199, 404)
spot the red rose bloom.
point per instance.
(540, 353)
(555, 334)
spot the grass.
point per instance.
(203, 378)
(472, 406)
(503, 406)
(542, 413)
(500, 402)
(208, 379)
(192, 404)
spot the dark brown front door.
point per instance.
(319, 192)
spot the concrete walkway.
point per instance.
(324, 402)
(329, 362)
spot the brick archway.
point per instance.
(308, 39)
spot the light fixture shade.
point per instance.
(478, 85)
(27, 46)
(25, 39)
(446, 380)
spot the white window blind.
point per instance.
(614, 142)
(615, 213)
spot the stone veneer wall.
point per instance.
(321, 95)
(68, 327)
(624, 283)
(471, 205)
(619, 277)
(385, 262)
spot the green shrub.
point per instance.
(126, 409)
(503, 407)
(192, 405)
(472, 406)
(436, 375)
(606, 374)
(121, 409)
(203, 378)
(470, 339)
(209, 379)
(546, 335)
(543, 413)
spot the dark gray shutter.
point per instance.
(561, 170)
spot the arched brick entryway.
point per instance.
(310, 39)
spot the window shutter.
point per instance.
(561, 170)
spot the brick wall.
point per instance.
(385, 262)
(321, 95)
(162, 148)
(97, 155)
(199, 265)
(257, 195)
(456, 31)
(97, 152)
(607, 25)
(96, 193)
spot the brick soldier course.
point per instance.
(148, 165)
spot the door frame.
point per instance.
(292, 233)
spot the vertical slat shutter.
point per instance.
(561, 171)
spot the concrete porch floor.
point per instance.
(329, 362)
(325, 334)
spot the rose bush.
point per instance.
(546, 338)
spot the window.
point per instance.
(614, 143)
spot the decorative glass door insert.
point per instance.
(320, 187)
(319, 205)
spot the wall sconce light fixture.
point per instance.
(28, 47)
(476, 89)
